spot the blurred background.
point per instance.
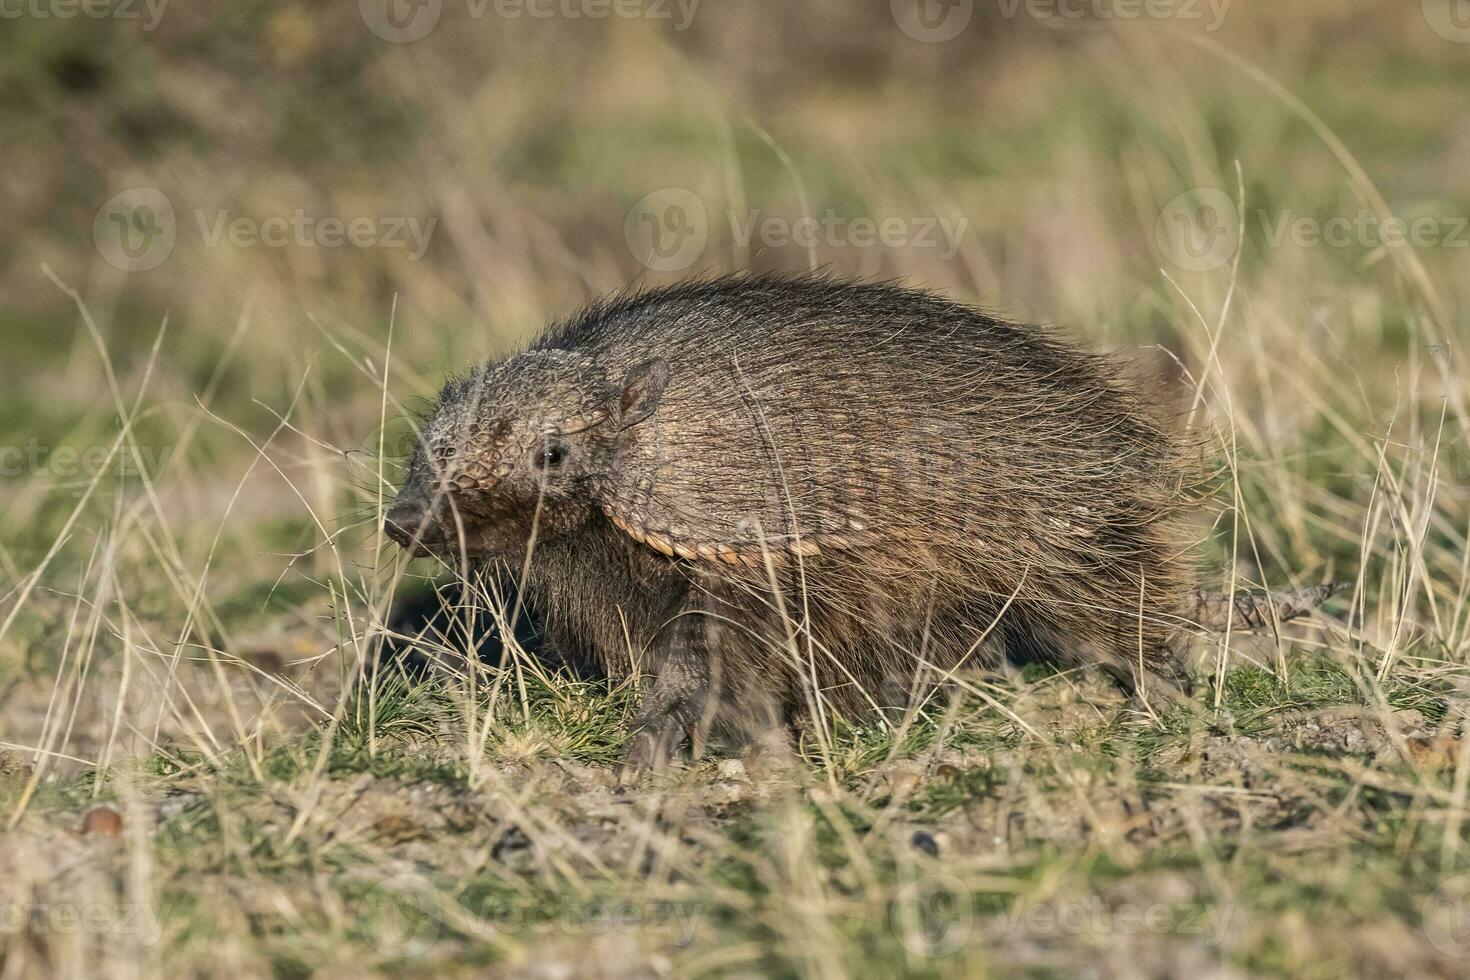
(247, 196)
(287, 221)
(253, 198)
(244, 239)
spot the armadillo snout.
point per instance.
(405, 522)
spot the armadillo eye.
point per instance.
(552, 455)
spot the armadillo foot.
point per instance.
(655, 745)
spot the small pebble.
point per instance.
(103, 821)
(727, 791)
(732, 769)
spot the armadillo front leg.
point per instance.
(681, 699)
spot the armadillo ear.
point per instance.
(643, 386)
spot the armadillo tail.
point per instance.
(1217, 611)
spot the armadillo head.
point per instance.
(515, 451)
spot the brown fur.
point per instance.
(798, 494)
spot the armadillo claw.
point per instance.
(655, 745)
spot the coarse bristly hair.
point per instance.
(778, 495)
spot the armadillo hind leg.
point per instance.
(1218, 611)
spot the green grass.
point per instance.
(194, 645)
(487, 883)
